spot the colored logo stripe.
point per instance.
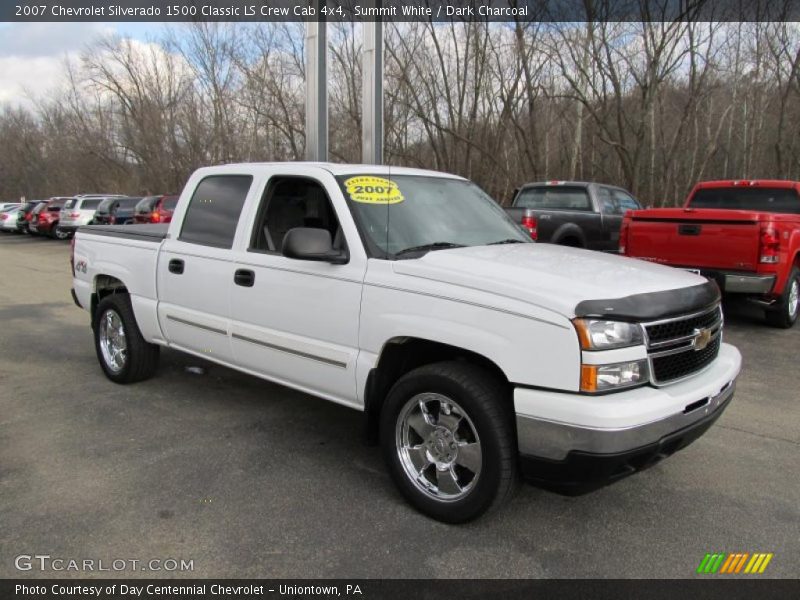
(721, 562)
(710, 563)
(735, 562)
(758, 563)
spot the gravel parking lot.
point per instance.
(250, 479)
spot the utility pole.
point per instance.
(372, 92)
(317, 88)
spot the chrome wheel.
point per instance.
(113, 345)
(438, 446)
(61, 234)
(794, 292)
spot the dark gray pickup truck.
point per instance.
(573, 213)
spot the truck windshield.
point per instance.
(774, 200)
(403, 216)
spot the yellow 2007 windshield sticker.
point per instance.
(373, 190)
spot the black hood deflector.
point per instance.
(653, 305)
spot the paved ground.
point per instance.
(251, 479)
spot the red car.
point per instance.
(743, 234)
(45, 217)
(155, 209)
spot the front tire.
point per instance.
(784, 315)
(447, 436)
(123, 353)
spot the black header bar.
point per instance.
(389, 589)
(398, 10)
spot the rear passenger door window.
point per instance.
(214, 209)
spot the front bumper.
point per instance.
(586, 442)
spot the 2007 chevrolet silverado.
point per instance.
(410, 295)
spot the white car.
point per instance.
(411, 296)
(8, 218)
(79, 211)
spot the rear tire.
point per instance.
(447, 436)
(784, 314)
(570, 242)
(58, 234)
(123, 353)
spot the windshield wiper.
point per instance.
(507, 241)
(428, 247)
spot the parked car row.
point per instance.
(59, 217)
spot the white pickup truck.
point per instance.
(475, 354)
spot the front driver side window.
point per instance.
(291, 202)
(607, 205)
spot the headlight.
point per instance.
(597, 334)
(604, 378)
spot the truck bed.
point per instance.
(155, 232)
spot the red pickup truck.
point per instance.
(743, 234)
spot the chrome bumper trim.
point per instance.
(551, 440)
(749, 284)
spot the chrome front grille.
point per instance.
(681, 346)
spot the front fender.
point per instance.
(529, 351)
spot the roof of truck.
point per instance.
(345, 169)
(566, 182)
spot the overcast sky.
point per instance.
(32, 54)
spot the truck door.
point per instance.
(613, 204)
(195, 271)
(296, 321)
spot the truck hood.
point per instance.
(566, 280)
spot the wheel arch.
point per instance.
(569, 231)
(104, 285)
(401, 355)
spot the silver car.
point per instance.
(80, 211)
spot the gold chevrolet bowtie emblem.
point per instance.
(701, 338)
